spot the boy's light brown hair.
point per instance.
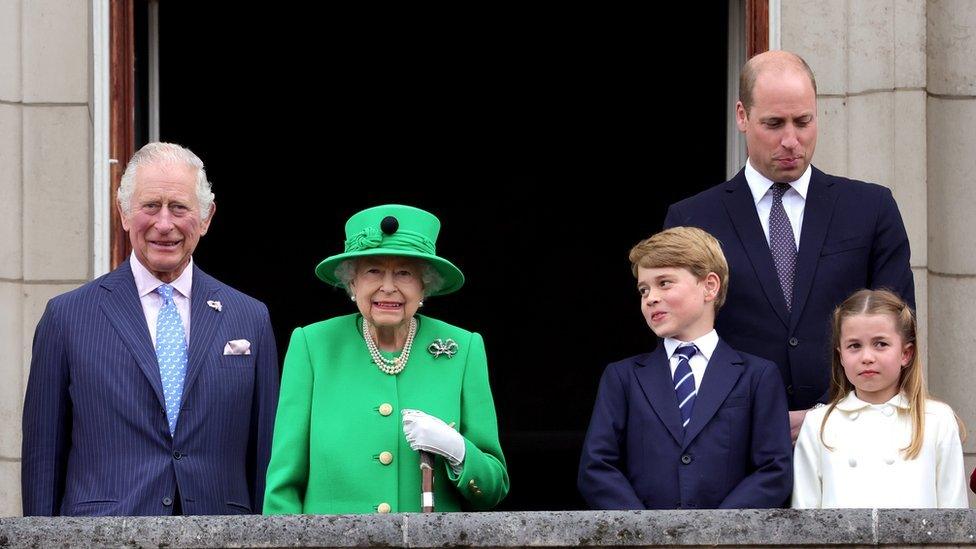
(687, 248)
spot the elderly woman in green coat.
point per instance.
(361, 393)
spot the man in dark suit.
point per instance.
(798, 241)
(152, 389)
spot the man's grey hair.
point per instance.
(345, 272)
(165, 153)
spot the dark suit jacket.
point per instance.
(852, 238)
(735, 453)
(96, 441)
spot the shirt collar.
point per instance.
(706, 344)
(759, 185)
(146, 282)
(851, 403)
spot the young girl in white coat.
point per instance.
(880, 442)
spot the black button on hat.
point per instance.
(394, 230)
(389, 225)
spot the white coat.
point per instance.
(866, 467)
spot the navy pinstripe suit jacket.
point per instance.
(96, 441)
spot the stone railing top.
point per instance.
(778, 527)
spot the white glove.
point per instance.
(430, 434)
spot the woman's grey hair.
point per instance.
(165, 153)
(345, 272)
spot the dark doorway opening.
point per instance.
(547, 141)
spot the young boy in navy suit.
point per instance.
(694, 424)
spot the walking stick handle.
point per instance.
(426, 482)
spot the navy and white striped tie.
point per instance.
(684, 382)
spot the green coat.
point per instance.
(330, 429)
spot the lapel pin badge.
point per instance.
(215, 305)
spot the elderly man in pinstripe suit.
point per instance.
(152, 389)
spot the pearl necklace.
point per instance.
(392, 366)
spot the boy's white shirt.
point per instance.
(706, 346)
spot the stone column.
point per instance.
(45, 179)
(869, 60)
(952, 207)
(897, 83)
(11, 252)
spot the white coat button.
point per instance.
(852, 462)
(854, 415)
(888, 410)
(889, 460)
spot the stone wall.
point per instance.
(746, 528)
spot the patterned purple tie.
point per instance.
(782, 243)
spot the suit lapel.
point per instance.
(204, 321)
(123, 308)
(817, 211)
(653, 373)
(742, 211)
(723, 371)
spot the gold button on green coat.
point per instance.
(386, 409)
(386, 458)
(328, 433)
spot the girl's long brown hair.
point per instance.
(912, 383)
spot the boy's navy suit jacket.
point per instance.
(736, 451)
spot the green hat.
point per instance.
(396, 230)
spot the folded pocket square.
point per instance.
(237, 347)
